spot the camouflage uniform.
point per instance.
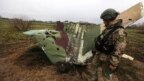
(104, 64)
(109, 62)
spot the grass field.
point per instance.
(9, 34)
(19, 62)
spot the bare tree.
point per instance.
(21, 24)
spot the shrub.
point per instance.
(21, 25)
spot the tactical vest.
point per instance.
(102, 42)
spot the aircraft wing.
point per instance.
(130, 15)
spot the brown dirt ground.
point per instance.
(20, 62)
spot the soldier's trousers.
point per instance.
(100, 66)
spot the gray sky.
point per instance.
(72, 10)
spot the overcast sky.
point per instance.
(53, 10)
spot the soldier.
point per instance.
(109, 45)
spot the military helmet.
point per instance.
(109, 14)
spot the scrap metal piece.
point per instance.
(127, 57)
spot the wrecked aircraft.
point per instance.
(76, 40)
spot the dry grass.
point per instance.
(141, 29)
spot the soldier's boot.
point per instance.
(109, 78)
(112, 77)
(109, 73)
(100, 74)
(111, 68)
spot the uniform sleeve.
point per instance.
(120, 44)
(120, 41)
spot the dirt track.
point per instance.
(22, 63)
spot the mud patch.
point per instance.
(33, 58)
